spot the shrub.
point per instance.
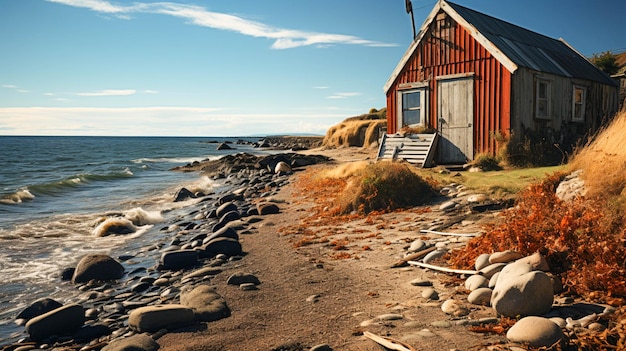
(384, 186)
(486, 162)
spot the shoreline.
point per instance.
(324, 296)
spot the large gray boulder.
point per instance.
(206, 303)
(97, 267)
(61, 321)
(154, 318)
(521, 291)
(221, 245)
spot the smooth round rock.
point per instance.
(505, 256)
(206, 303)
(60, 321)
(536, 332)
(530, 294)
(482, 261)
(417, 245)
(475, 282)
(454, 307)
(492, 269)
(480, 296)
(242, 278)
(154, 318)
(97, 267)
(430, 294)
(137, 342)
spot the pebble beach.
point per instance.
(226, 275)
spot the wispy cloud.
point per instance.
(197, 15)
(159, 120)
(109, 92)
(343, 95)
(15, 88)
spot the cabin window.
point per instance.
(542, 99)
(413, 108)
(578, 104)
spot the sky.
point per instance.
(231, 67)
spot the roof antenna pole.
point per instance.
(409, 9)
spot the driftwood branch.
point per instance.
(389, 343)
(442, 269)
(413, 256)
(469, 235)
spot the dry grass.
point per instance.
(361, 133)
(603, 160)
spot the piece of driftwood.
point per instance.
(413, 256)
(469, 235)
(389, 343)
(442, 269)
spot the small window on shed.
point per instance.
(578, 104)
(542, 99)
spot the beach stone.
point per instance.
(97, 267)
(93, 331)
(421, 282)
(283, 167)
(202, 272)
(536, 261)
(38, 308)
(447, 206)
(224, 232)
(206, 303)
(221, 245)
(154, 318)
(492, 269)
(223, 146)
(266, 208)
(474, 198)
(417, 245)
(321, 347)
(430, 294)
(433, 256)
(60, 321)
(179, 259)
(239, 278)
(225, 208)
(482, 261)
(248, 287)
(229, 217)
(493, 280)
(480, 296)
(389, 317)
(184, 194)
(536, 332)
(505, 256)
(137, 342)
(525, 294)
(454, 308)
(475, 282)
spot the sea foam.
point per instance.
(17, 197)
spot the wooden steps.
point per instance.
(417, 149)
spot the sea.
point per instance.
(55, 190)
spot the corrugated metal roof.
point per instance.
(532, 50)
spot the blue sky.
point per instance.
(230, 68)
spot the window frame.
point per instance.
(547, 99)
(423, 90)
(582, 103)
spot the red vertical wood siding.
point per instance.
(446, 51)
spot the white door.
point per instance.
(455, 115)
